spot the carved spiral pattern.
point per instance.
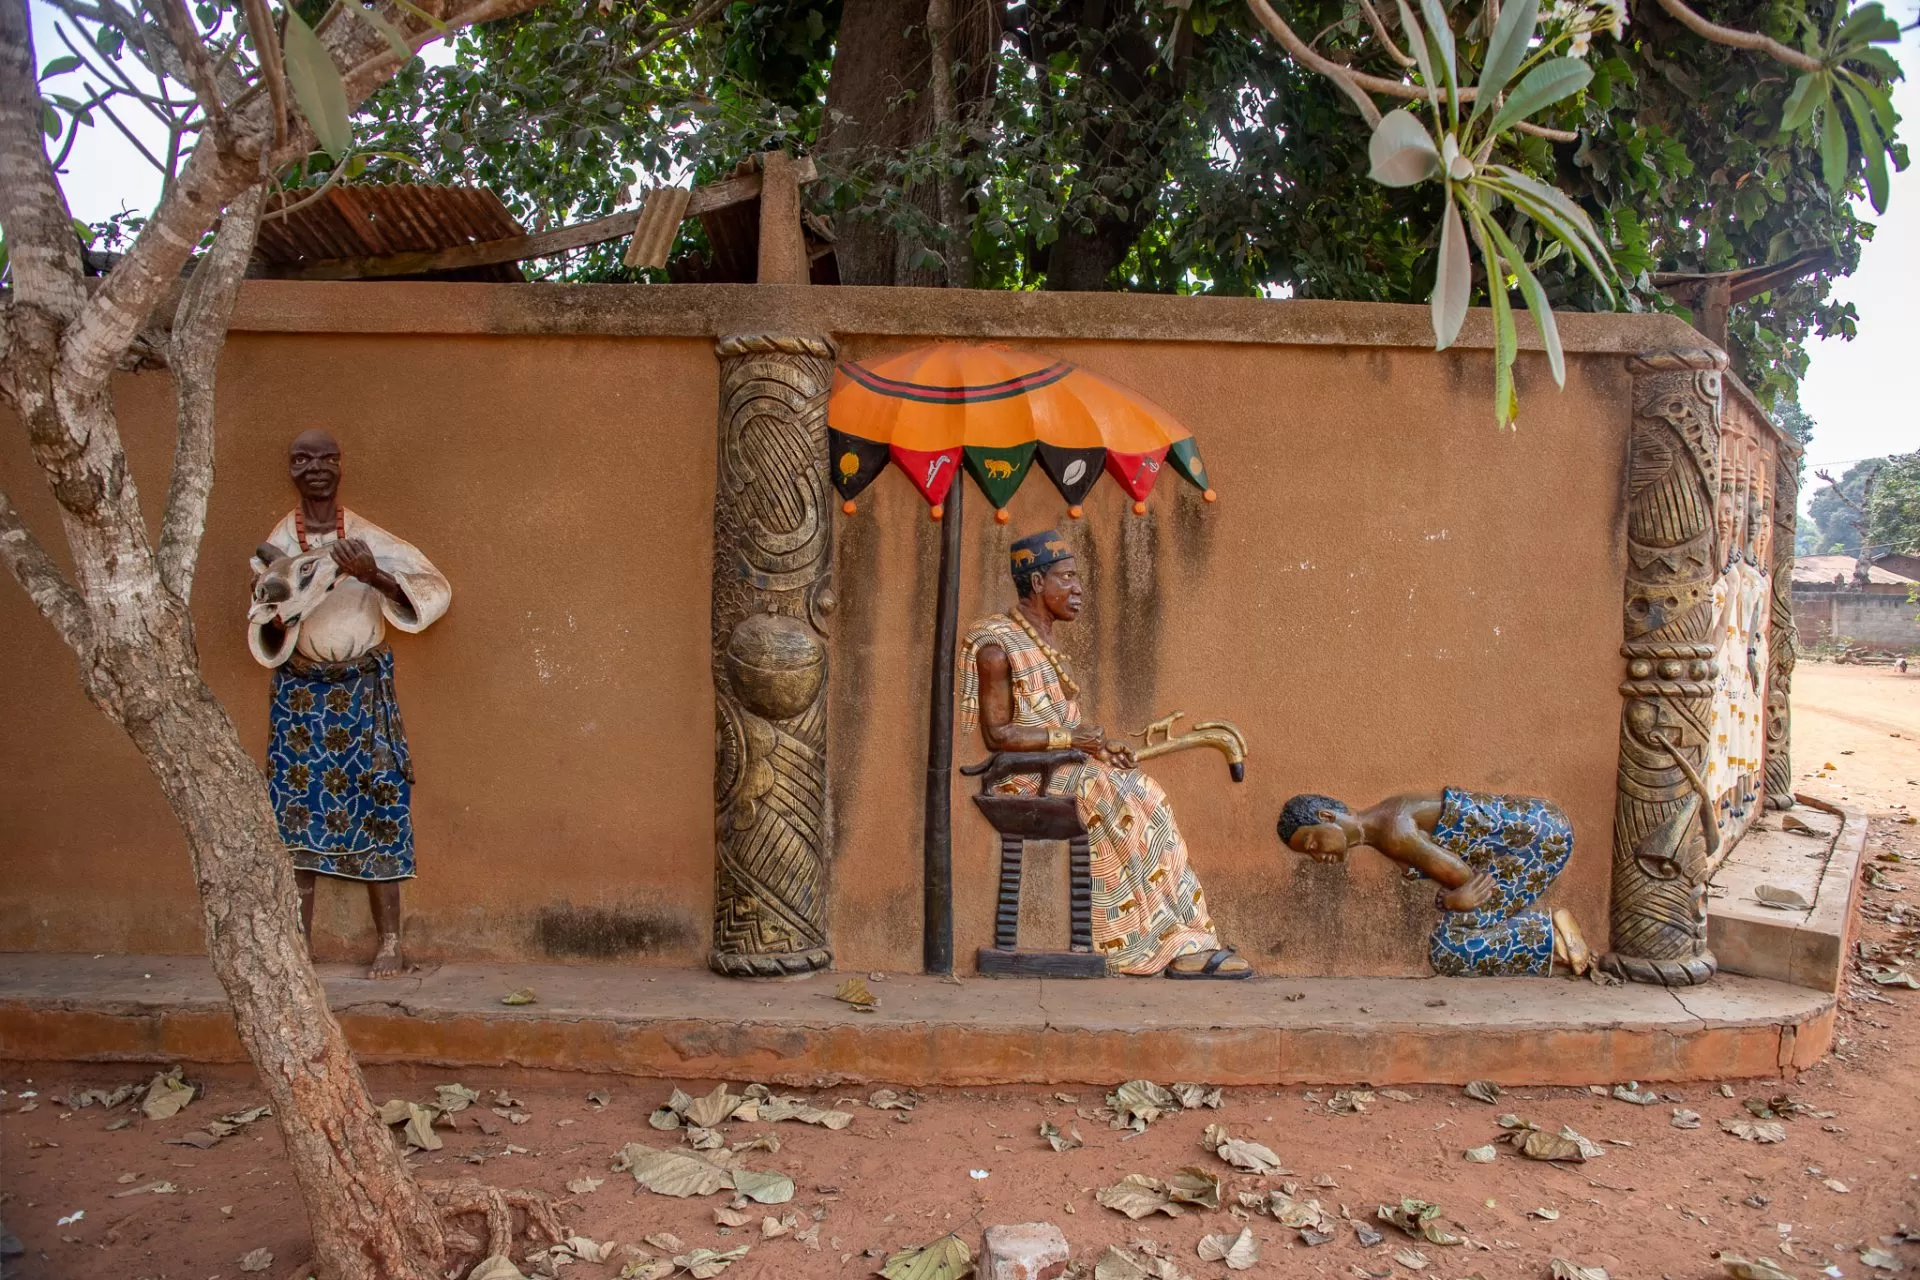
(772, 555)
(1659, 845)
(1783, 638)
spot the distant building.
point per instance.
(1883, 614)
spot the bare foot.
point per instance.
(1569, 947)
(387, 961)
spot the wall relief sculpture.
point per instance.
(1664, 832)
(1783, 639)
(1493, 857)
(772, 597)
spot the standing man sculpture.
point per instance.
(327, 583)
(1149, 915)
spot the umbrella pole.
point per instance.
(937, 928)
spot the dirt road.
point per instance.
(1660, 1202)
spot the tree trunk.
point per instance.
(370, 1220)
(880, 106)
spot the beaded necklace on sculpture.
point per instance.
(339, 527)
(1057, 658)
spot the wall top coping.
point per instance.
(689, 310)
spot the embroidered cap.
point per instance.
(1035, 552)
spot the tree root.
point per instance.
(465, 1197)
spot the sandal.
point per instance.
(1211, 969)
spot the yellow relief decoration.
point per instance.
(849, 463)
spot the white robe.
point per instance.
(351, 621)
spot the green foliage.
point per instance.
(1181, 151)
(1835, 526)
(1893, 518)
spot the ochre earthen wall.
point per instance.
(1390, 594)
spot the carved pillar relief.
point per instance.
(772, 595)
(1782, 638)
(1663, 827)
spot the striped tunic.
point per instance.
(1147, 904)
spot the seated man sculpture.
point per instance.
(1149, 915)
(1493, 855)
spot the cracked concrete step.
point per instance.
(693, 1024)
(1806, 948)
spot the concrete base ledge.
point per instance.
(1807, 948)
(683, 1024)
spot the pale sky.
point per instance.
(1854, 391)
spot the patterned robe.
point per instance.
(1147, 903)
(1522, 842)
(338, 770)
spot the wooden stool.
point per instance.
(1019, 819)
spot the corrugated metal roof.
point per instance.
(377, 219)
(1823, 569)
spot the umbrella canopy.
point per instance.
(996, 411)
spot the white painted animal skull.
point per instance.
(292, 585)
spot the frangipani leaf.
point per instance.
(1453, 281)
(1800, 103)
(1506, 51)
(1871, 146)
(1401, 152)
(1422, 54)
(1833, 150)
(1440, 33)
(1537, 303)
(1543, 86)
(317, 86)
(1505, 341)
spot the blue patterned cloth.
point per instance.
(1522, 842)
(339, 774)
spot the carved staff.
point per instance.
(1783, 638)
(1662, 817)
(772, 596)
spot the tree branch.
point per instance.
(44, 252)
(1349, 82)
(193, 354)
(212, 176)
(266, 47)
(48, 588)
(1380, 34)
(1740, 39)
(198, 65)
(700, 14)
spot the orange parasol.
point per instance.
(995, 411)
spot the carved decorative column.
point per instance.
(772, 595)
(1783, 639)
(1663, 821)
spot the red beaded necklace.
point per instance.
(339, 527)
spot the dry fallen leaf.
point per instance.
(1138, 1103)
(1238, 1252)
(1752, 1268)
(1561, 1269)
(150, 1189)
(165, 1096)
(1197, 1186)
(711, 1110)
(1544, 1214)
(671, 1173)
(1411, 1259)
(1632, 1092)
(1756, 1131)
(1192, 1096)
(854, 992)
(584, 1186)
(1879, 1259)
(496, 1268)
(1059, 1141)
(889, 1100)
(1130, 1264)
(523, 996)
(703, 1264)
(725, 1217)
(1482, 1090)
(1139, 1196)
(1781, 899)
(1685, 1119)
(455, 1097)
(419, 1131)
(763, 1187)
(1481, 1155)
(947, 1258)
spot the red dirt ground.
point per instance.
(1662, 1202)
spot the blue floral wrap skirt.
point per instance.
(339, 774)
(1520, 841)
